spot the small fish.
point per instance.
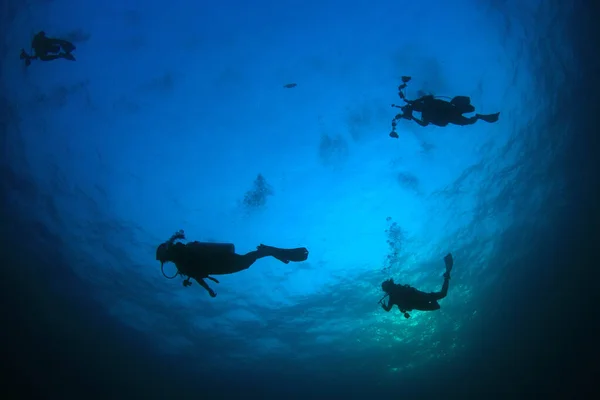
(290, 85)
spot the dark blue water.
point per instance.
(175, 116)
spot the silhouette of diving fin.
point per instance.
(491, 118)
(286, 255)
(297, 255)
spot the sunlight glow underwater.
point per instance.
(128, 148)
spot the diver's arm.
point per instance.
(205, 286)
(387, 307)
(212, 279)
(420, 122)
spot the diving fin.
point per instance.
(285, 255)
(491, 118)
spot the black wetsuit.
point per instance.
(198, 260)
(48, 49)
(441, 112)
(407, 298)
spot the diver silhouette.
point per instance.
(198, 260)
(48, 49)
(408, 298)
(437, 111)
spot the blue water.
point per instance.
(171, 112)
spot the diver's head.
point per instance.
(387, 286)
(162, 253)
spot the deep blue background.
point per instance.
(171, 111)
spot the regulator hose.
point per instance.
(162, 269)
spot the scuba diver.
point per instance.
(198, 260)
(48, 49)
(437, 111)
(407, 298)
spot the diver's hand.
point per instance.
(212, 293)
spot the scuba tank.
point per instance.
(463, 103)
(210, 248)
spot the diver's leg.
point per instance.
(67, 47)
(283, 255)
(233, 263)
(48, 48)
(62, 43)
(66, 56)
(225, 264)
(427, 306)
(462, 120)
(444, 292)
(206, 287)
(434, 296)
(48, 57)
(238, 262)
